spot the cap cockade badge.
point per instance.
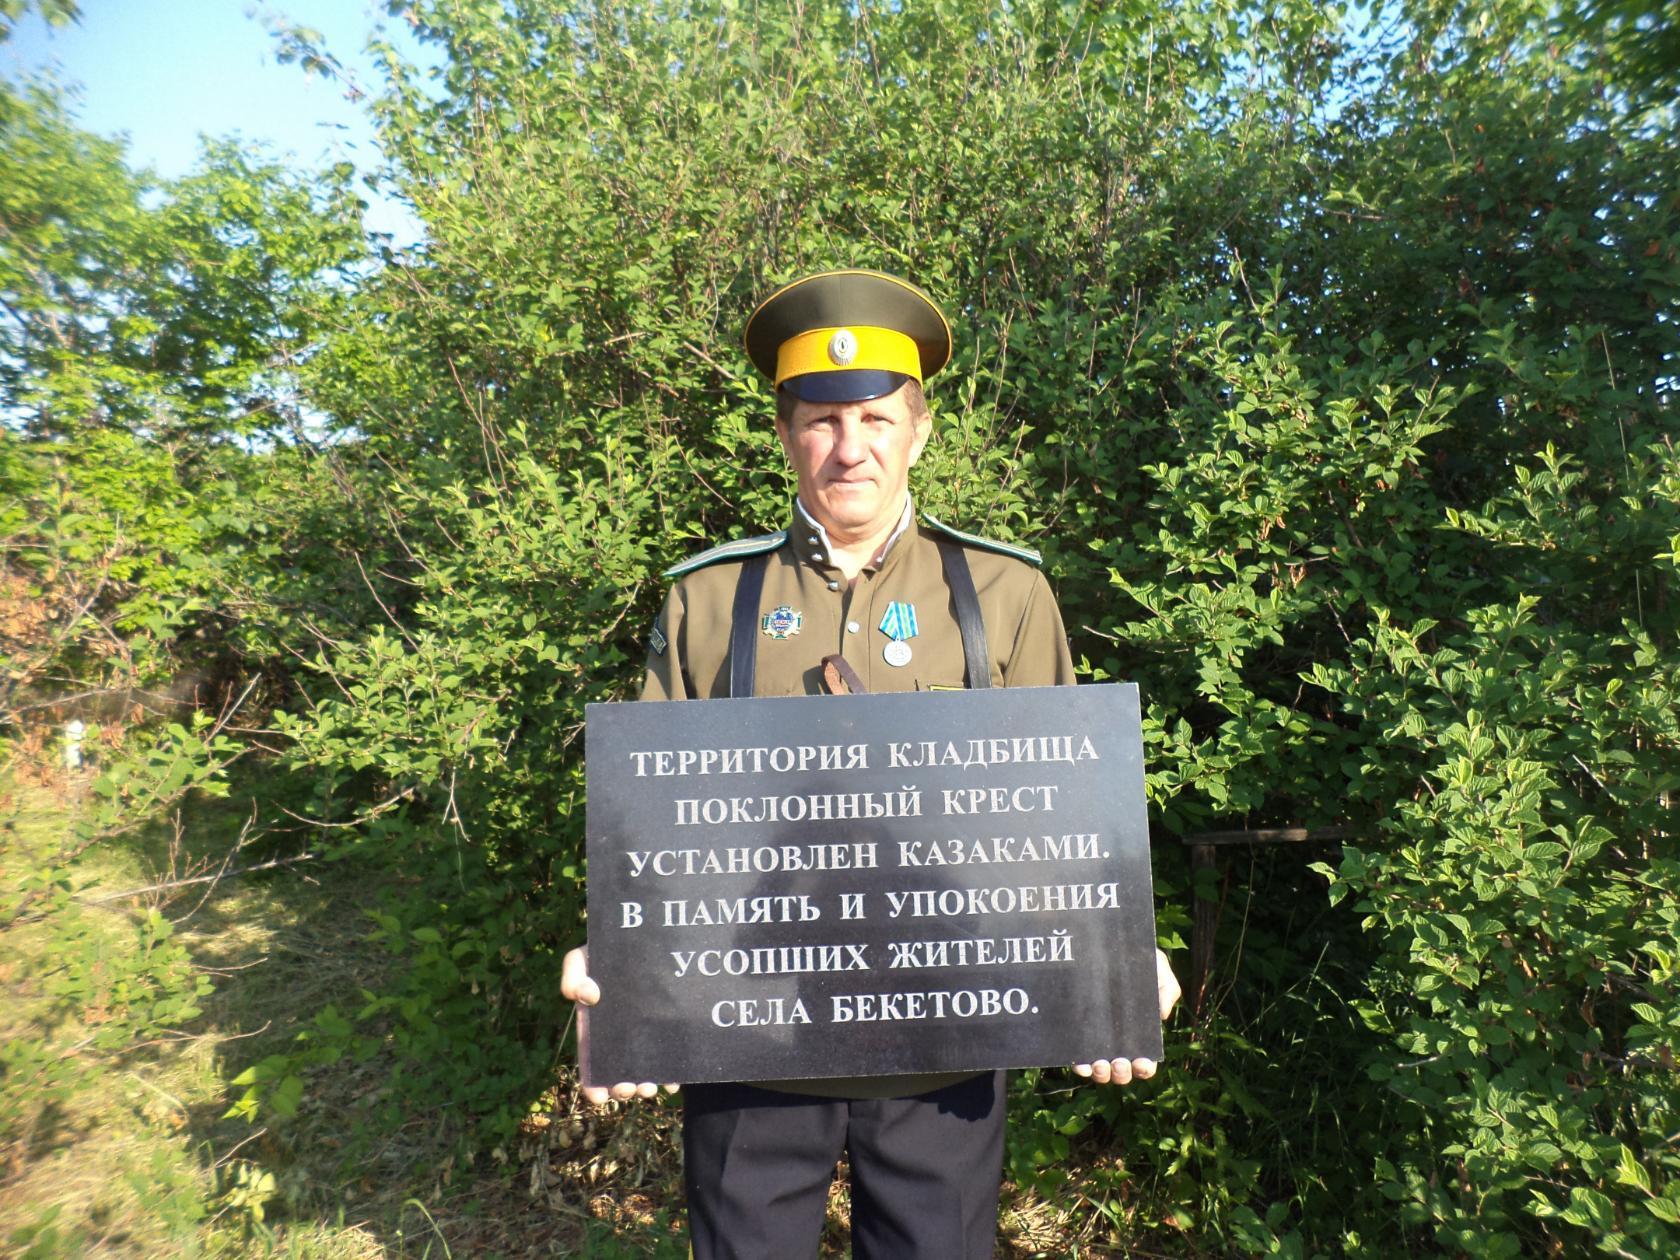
(842, 347)
(782, 623)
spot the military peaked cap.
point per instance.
(846, 336)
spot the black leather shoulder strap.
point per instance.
(976, 659)
(743, 627)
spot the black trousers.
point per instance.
(925, 1171)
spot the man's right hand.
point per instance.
(577, 986)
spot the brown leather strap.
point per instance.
(840, 678)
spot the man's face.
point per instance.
(853, 461)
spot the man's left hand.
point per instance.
(1125, 1071)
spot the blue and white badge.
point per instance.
(898, 624)
(781, 623)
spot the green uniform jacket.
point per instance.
(813, 611)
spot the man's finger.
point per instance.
(671, 1088)
(1167, 989)
(596, 1094)
(1120, 1071)
(1143, 1069)
(1082, 1069)
(575, 984)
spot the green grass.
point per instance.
(129, 1154)
(121, 1150)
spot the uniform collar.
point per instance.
(811, 539)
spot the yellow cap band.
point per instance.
(848, 349)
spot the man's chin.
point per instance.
(850, 509)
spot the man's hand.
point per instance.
(1125, 1071)
(576, 986)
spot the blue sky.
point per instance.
(164, 71)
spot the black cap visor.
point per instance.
(852, 385)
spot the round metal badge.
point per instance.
(896, 653)
(842, 348)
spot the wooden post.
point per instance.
(1204, 915)
(1204, 924)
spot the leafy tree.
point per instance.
(53, 12)
(150, 336)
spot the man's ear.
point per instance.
(924, 431)
(785, 437)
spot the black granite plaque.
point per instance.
(860, 885)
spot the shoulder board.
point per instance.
(985, 544)
(740, 549)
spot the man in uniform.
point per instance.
(858, 593)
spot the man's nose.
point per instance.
(851, 446)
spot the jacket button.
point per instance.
(851, 627)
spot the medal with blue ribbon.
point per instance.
(898, 624)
